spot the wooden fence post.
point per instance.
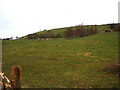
(16, 74)
(3, 86)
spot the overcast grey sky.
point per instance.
(22, 17)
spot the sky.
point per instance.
(22, 17)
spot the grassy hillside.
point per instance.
(61, 31)
(64, 63)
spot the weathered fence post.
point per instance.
(3, 86)
(16, 73)
(5, 81)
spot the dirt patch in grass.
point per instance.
(53, 58)
(113, 68)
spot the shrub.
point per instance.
(69, 33)
(80, 31)
(43, 35)
(93, 30)
(58, 36)
(112, 26)
(32, 36)
(113, 68)
(50, 34)
(117, 27)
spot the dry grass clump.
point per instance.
(113, 68)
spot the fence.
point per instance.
(0, 62)
(15, 82)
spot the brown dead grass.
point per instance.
(113, 68)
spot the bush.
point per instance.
(58, 36)
(117, 27)
(80, 31)
(69, 33)
(112, 26)
(48, 34)
(93, 30)
(32, 36)
(42, 36)
(113, 68)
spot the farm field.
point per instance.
(64, 63)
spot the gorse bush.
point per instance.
(112, 26)
(80, 31)
(32, 36)
(117, 27)
(69, 33)
(48, 34)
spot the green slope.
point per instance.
(61, 31)
(64, 63)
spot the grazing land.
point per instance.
(64, 63)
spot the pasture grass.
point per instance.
(64, 63)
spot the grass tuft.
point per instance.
(113, 68)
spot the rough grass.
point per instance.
(113, 68)
(64, 63)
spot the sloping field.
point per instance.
(64, 63)
(60, 31)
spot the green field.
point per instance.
(64, 63)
